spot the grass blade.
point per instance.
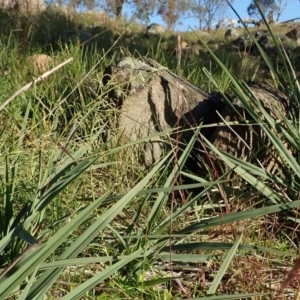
(224, 266)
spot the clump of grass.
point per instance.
(98, 223)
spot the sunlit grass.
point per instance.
(102, 225)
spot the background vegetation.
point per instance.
(82, 219)
(207, 12)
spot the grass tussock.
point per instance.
(82, 219)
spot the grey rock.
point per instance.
(37, 64)
(264, 42)
(294, 34)
(231, 34)
(250, 142)
(151, 100)
(155, 29)
(203, 33)
(285, 44)
(247, 42)
(260, 33)
(243, 42)
(282, 38)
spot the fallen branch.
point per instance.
(34, 82)
(288, 21)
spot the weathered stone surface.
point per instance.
(293, 34)
(203, 34)
(244, 42)
(231, 34)
(184, 44)
(38, 64)
(265, 40)
(247, 141)
(152, 99)
(259, 33)
(155, 29)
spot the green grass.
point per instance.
(101, 225)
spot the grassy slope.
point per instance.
(70, 105)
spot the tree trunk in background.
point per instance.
(119, 8)
(74, 4)
(90, 4)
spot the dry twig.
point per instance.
(34, 82)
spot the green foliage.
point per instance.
(81, 217)
(265, 6)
